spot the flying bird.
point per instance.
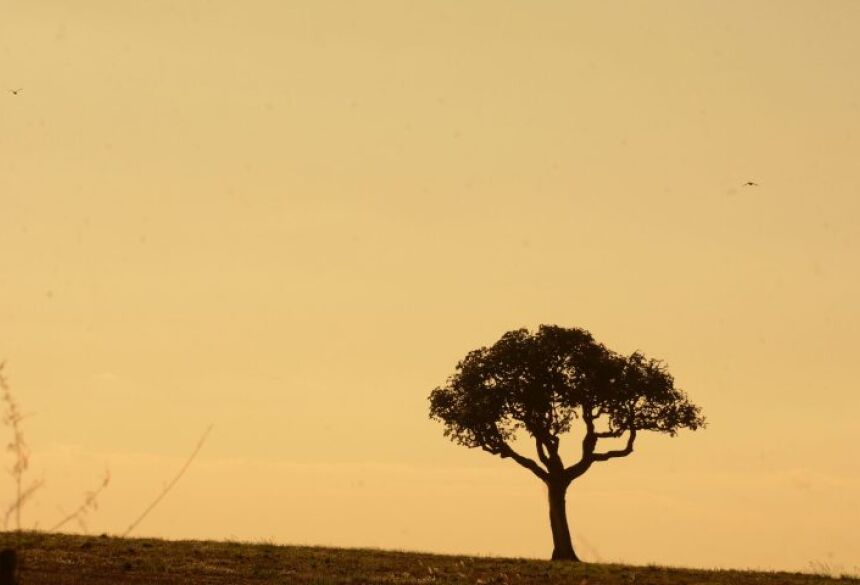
(750, 184)
(16, 91)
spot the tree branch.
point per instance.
(505, 451)
(619, 452)
(589, 442)
(577, 469)
(541, 451)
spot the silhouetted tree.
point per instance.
(542, 383)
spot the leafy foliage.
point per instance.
(546, 381)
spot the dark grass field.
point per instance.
(59, 559)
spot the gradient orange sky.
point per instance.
(291, 219)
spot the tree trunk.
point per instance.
(562, 545)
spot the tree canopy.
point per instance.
(543, 382)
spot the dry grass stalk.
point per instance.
(90, 504)
(172, 483)
(22, 497)
(12, 418)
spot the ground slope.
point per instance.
(58, 559)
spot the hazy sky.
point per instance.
(291, 219)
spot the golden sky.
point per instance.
(291, 219)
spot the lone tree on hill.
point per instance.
(542, 383)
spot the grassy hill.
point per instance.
(60, 559)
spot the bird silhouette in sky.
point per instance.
(750, 184)
(16, 91)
